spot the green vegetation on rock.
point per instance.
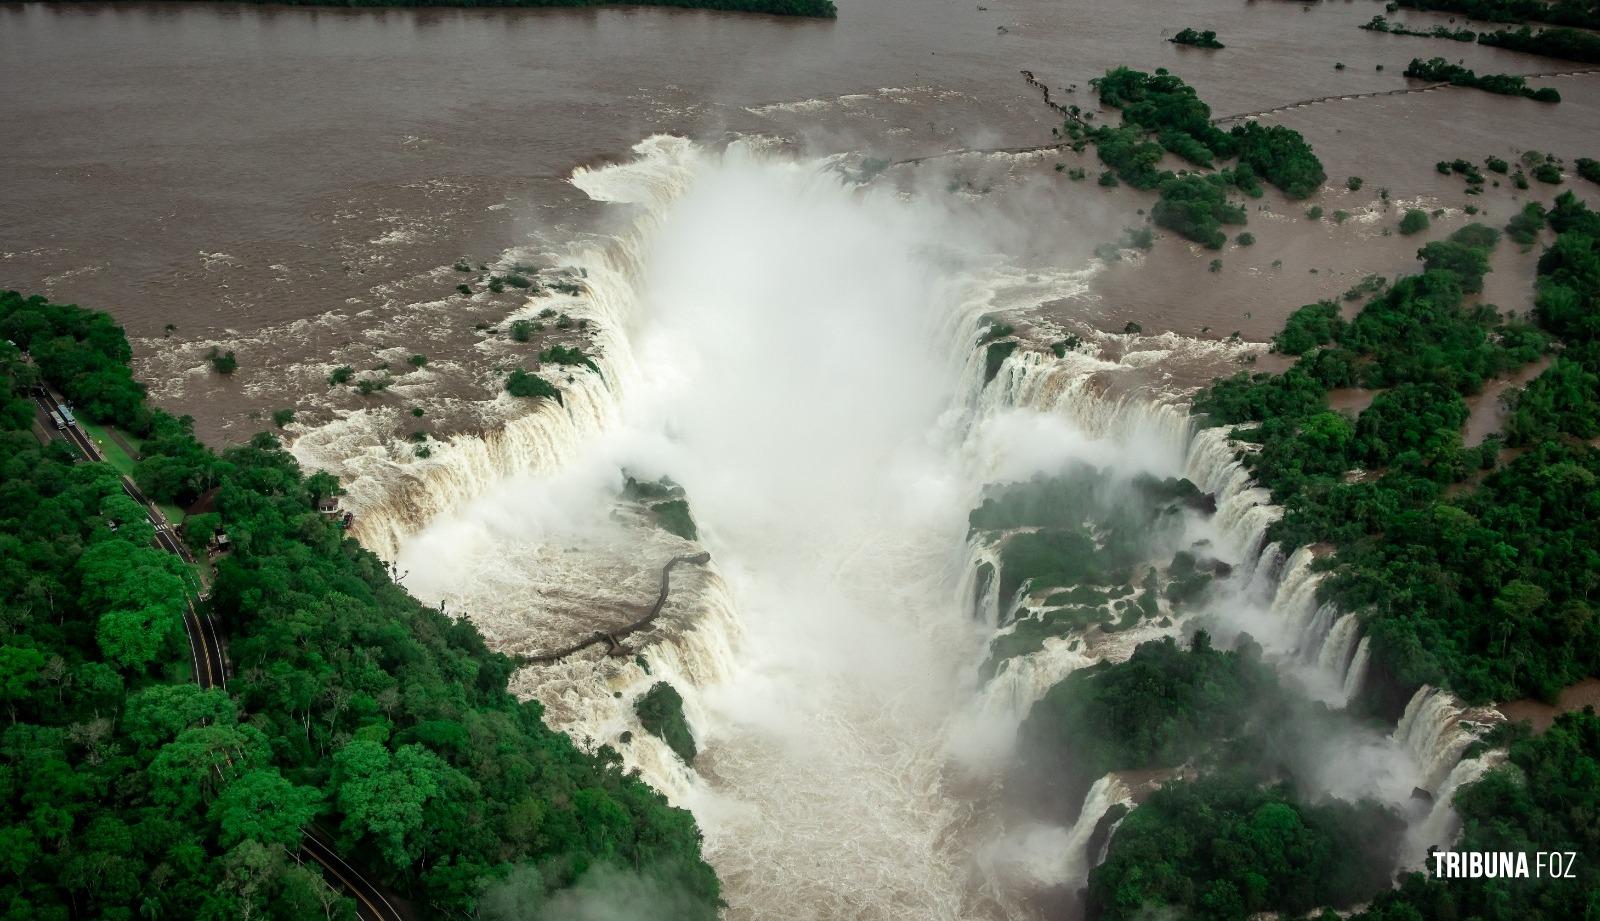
(1206, 39)
(660, 711)
(1224, 848)
(521, 383)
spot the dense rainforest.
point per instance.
(1473, 567)
(130, 792)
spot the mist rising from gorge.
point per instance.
(799, 352)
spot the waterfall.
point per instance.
(1441, 825)
(1295, 602)
(1339, 644)
(1433, 733)
(1022, 680)
(1314, 631)
(393, 499)
(1436, 728)
(786, 741)
(1108, 791)
(1356, 674)
(980, 582)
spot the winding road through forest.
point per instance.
(211, 666)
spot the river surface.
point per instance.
(293, 183)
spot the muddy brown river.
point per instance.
(294, 183)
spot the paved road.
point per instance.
(211, 671)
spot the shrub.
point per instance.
(1206, 39)
(1196, 207)
(341, 375)
(370, 385)
(520, 383)
(562, 355)
(1415, 220)
(282, 417)
(1245, 239)
(1525, 226)
(1281, 156)
(1353, 183)
(660, 711)
(223, 363)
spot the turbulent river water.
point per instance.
(293, 184)
(795, 348)
(759, 298)
(851, 762)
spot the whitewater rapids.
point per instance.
(800, 354)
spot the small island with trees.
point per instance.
(1206, 39)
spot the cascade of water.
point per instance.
(1436, 728)
(698, 653)
(980, 582)
(1316, 632)
(394, 500)
(1356, 674)
(1108, 791)
(1023, 680)
(1336, 650)
(1295, 602)
(391, 501)
(1441, 825)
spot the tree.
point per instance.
(382, 795)
(262, 806)
(20, 670)
(188, 771)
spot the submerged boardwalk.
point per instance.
(1029, 78)
(613, 639)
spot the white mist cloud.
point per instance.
(604, 893)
